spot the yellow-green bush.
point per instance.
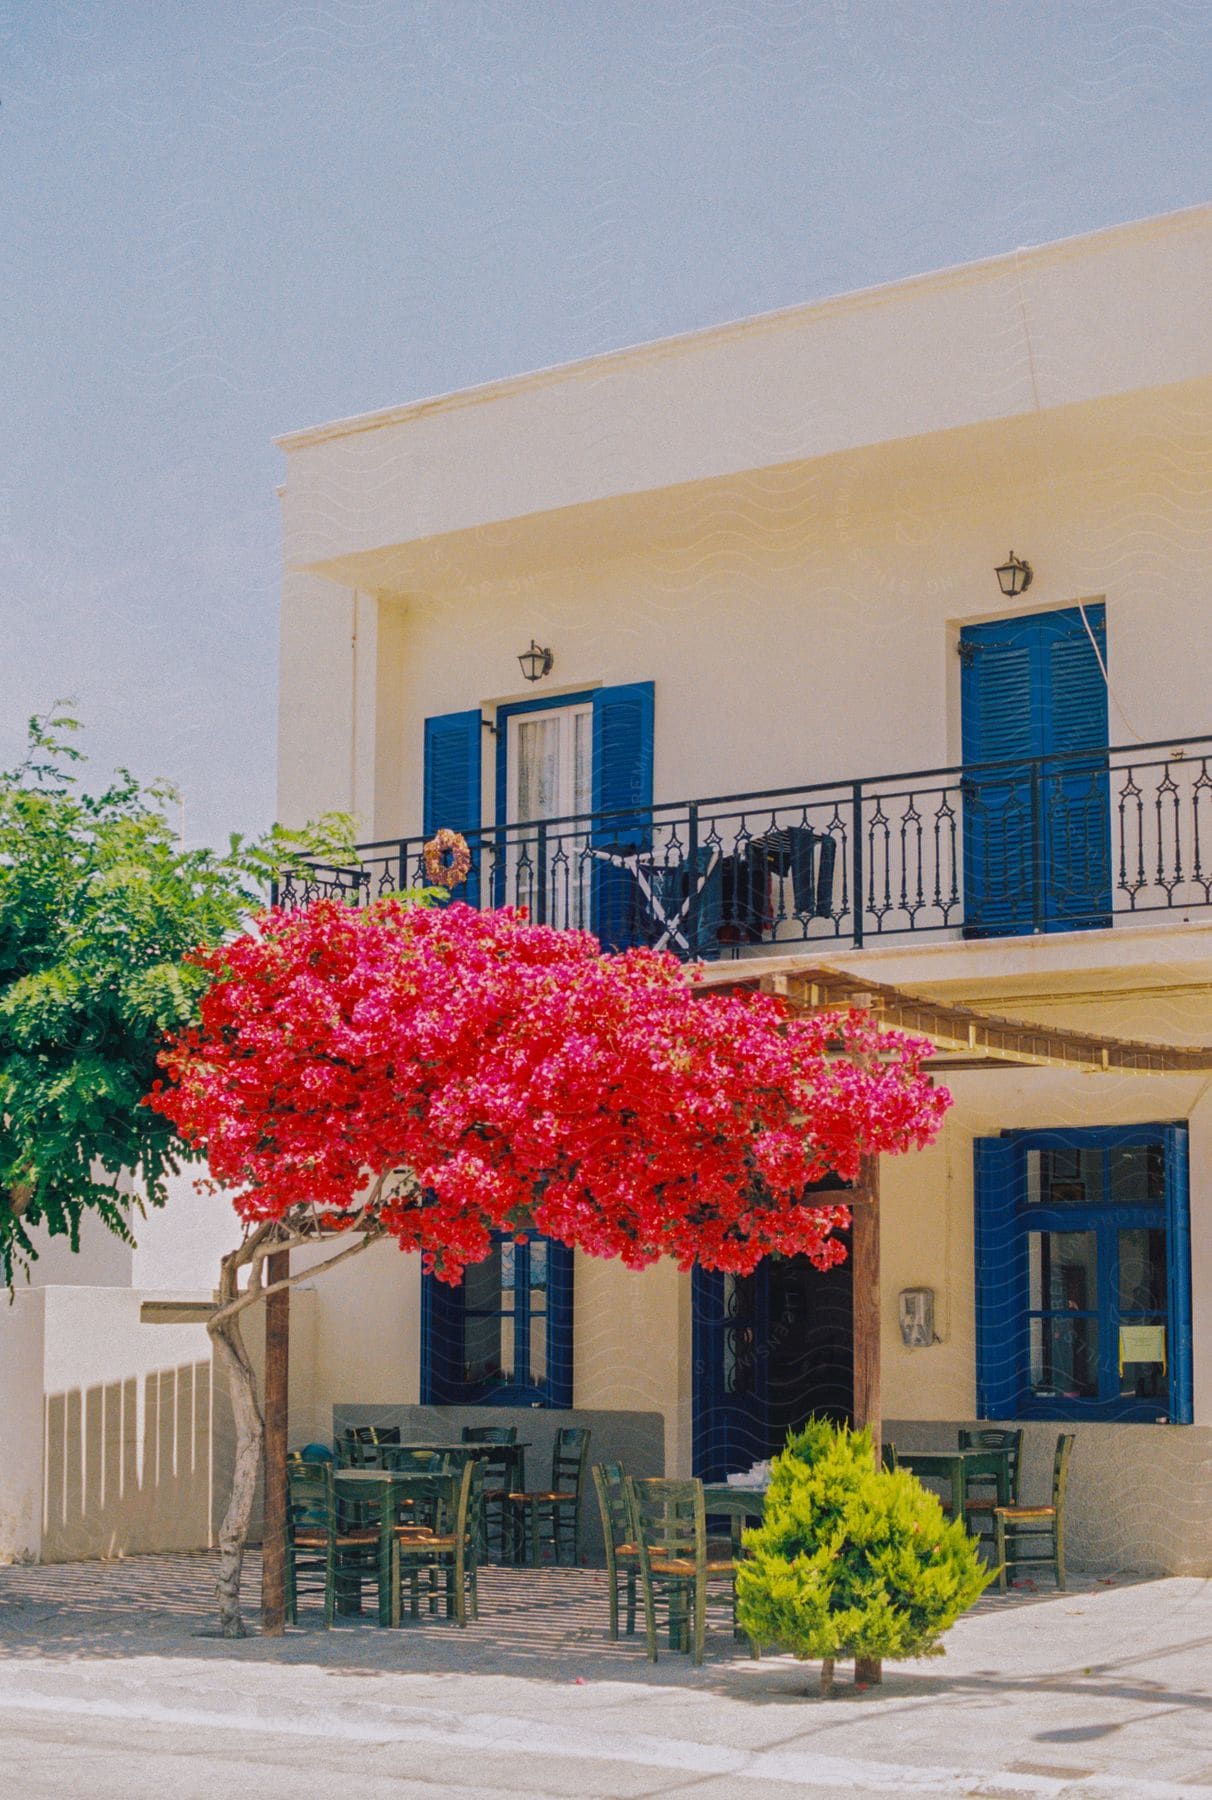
(851, 1561)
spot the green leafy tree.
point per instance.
(99, 906)
(851, 1561)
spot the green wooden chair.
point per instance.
(1017, 1528)
(981, 1490)
(326, 1542)
(554, 1511)
(442, 1540)
(498, 1473)
(622, 1555)
(669, 1529)
(361, 1446)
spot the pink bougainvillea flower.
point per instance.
(507, 1076)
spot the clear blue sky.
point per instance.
(220, 221)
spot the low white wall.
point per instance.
(22, 1327)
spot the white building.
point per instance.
(762, 557)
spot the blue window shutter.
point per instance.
(999, 1279)
(1075, 798)
(1178, 1254)
(622, 785)
(1000, 721)
(1037, 848)
(452, 785)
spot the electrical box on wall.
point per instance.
(916, 1307)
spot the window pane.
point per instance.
(1064, 1357)
(1142, 1270)
(482, 1348)
(1138, 1175)
(538, 1264)
(1063, 1271)
(508, 1258)
(538, 767)
(1144, 1359)
(482, 1284)
(538, 1347)
(583, 761)
(1064, 1177)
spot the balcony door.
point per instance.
(1037, 836)
(549, 775)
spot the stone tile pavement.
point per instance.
(109, 1687)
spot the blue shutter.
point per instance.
(1075, 796)
(1037, 850)
(1000, 1279)
(452, 785)
(622, 787)
(1178, 1255)
(1000, 721)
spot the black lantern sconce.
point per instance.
(1013, 576)
(536, 662)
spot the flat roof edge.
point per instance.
(1104, 238)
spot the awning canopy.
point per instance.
(963, 1037)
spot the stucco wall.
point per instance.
(800, 630)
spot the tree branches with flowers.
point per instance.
(439, 1076)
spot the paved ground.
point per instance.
(109, 1689)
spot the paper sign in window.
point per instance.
(1142, 1344)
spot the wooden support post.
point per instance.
(865, 1260)
(277, 1388)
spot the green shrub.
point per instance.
(851, 1561)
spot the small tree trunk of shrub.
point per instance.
(827, 1678)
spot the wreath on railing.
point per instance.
(447, 858)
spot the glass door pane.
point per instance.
(1063, 1299)
(551, 777)
(1143, 1318)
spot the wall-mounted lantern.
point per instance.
(536, 662)
(915, 1308)
(1013, 576)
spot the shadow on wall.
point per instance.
(128, 1466)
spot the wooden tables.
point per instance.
(404, 1483)
(512, 1454)
(956, 1467)
(739, 1503)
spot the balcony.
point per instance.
(1059, 843)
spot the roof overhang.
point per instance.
(963, 1037)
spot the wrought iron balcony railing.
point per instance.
(1056, 843)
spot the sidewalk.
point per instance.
(106, 1688)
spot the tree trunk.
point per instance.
(827, 1678)
(865, 1254)
(250, 1432)
(277, 1379)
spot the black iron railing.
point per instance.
(1055, 843)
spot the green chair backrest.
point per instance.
(464, 1507)
(309, 1496)
(1060, 1468)
(610, 1482)
(568, 1455)
(668, 1517)
(997, 1439)
(489, 1434)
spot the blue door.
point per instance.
(1037, 828)
(771, 1350)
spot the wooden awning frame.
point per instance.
(965, 1038)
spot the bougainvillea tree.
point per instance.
(437, 1076)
